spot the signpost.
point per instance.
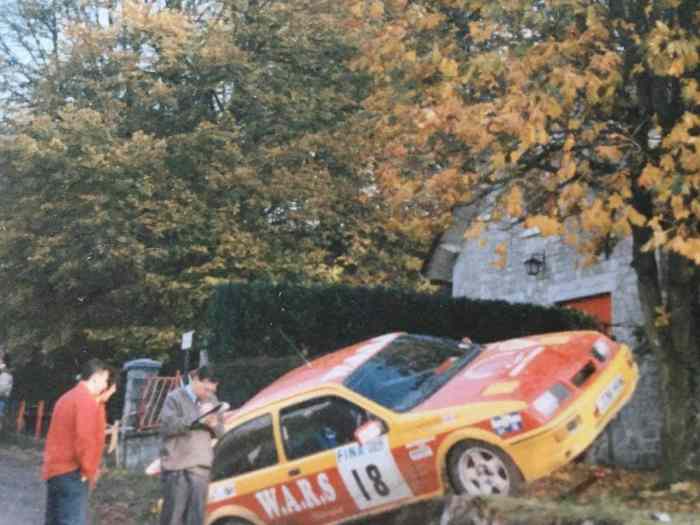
(186, 345)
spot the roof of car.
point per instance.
(331, 368)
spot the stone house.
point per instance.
(545, 270)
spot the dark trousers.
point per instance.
(184, 496)
(66, 500)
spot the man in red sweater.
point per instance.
(74, 446)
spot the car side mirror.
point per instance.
(369, 431)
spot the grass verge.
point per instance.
(125, 498)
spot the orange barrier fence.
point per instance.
(34, 418)
(35, 414)
(152, 399)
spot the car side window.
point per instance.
(320, 424)
(245, 448)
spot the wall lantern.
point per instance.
(535, 263)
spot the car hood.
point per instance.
(517, 369)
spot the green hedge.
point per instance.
(278, 320)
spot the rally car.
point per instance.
(402, 417)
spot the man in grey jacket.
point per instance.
(186, 452)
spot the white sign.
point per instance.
(370, 473)
(187, 340)
(610, 394)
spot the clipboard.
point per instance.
(198, 421)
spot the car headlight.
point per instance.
(550, 400)
(601, 350)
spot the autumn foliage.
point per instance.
(580, 118)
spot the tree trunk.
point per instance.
(671, 289)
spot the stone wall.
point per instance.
(138, 450)
(633, 439)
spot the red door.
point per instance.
(598, 306)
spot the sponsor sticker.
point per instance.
(419, 449)
(370, 473)
(298, 496)
(507, 423)
(223, 491)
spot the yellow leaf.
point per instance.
(680, 210)
(553, 109)
(567, 169)
(569, 143)
(615, 201)
(436, 55)
(691, 93)
(611, 153)
(502, 256)
(690, 248)
(668, 163)
(677, 68)
(546, 225)
(663, 318)
(431, 21)
(449, 67)
(514, 202)
(498, 160)
(650, 177)
(475, 230)
(358, 9)
(376, 10)
(413, 263)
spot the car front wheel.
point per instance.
(232, 521)
(480, 469)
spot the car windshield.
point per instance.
(410, 370)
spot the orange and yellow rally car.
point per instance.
(401, 417)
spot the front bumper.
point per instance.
(542, 451)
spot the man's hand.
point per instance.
(212, 419)
(106, 394)
(91, 482)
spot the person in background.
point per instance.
(5, 389)
(186, 452)
(74, 446)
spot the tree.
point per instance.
(164, 148)
(579, 117)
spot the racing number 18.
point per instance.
(375, 477)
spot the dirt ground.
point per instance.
(121, 499)
(22, 492)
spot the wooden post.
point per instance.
(119, 443)
(113, 434)
(20, 417)
(39, 421)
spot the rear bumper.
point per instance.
(540, 452)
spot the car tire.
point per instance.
(479, 469)
(232, 521)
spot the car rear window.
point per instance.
(410, 369)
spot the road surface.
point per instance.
(22, 492)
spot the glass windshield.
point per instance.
(410, 369)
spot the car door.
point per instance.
(246, 467)
(319, 444)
